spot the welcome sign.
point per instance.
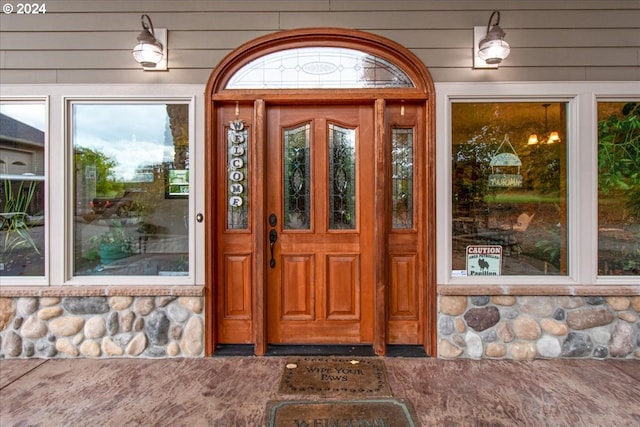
(484, 260)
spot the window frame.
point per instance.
(59, 210)
(582, 179)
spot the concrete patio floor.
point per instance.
(234, 391)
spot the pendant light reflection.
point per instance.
(151, 50)
(552, 137)
(489, 45)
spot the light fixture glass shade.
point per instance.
(533, 139)
(147, 54)
(553, 137)
(493, 49)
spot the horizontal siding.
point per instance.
(84, 42)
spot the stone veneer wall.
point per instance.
(101, 326)
(529, 327)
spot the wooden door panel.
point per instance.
(343, 287)
(403, 301)
(298, 287)
(237, 284)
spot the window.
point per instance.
(619, 188)
(22, 188)
(508, 182)
(131, 188)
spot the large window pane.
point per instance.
(22, 189)
(131, 189)
(509, 186)
(619, 188)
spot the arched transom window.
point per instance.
(319, 68)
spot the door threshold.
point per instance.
(320, 350)
(406, 351)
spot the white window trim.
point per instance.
(58, 217)
(582, 179)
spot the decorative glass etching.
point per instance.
(319, 68)
(342, 177)
(297, 173)
(237, 176)
(402, 178)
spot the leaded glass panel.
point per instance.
(319, 68)
(402, 178)
(297, 174)
(342, 177)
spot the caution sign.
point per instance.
(484, 260)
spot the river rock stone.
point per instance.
(475, 349)
(495, 350)
(173, 349)
(110, 348)
(178, 313)
(503, 300)
(453, 305)
(137, 345)
(86, 305)
(33, 328)
(554, 327)
(445, 326)
(27, 306)
(143, 306)
(569, 302)
(460, 325)
(622, 341)
(120, 302)
(112, 323)
(90, 348)
(490, 336)
(78, 338)
(66, 326)
(522, 350)
(594, 300)
(193, 304)
(586, 318)
(480, 319)
(509, 313)
(12, 344)
(176, 332)
(618, 303)
(548, 347)
(577, 344)
(164, 300)
(95, 327)
(480, 300)
(628, 316)
(635, 303)
(559, 314)
(505, 332)
(459, 341)
(28, 348)
(7, 311)
(600, 352)
(156, 351)
(192, 337)
(538, 306)
(448, 350)
(126, 321)
(157, 328)
(49, 301)
(138, 324)
(49, 313)
(526, 328)
(122, 339)
(601, 335)
(64, 345)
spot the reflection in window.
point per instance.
(619, 188)
(342, 178)
(507, 189)
(319, 68)
(22, 189)
(131, 185)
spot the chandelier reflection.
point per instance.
(548, 137)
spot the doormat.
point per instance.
(334, 376)
(375, 412)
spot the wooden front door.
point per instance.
(320, 224)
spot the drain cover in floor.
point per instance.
(374, 412)
(335, 376)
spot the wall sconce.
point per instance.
(489, 47)
(151, 50)
(553, 136)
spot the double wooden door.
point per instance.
(320, 207)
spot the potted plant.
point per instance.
(113, 244)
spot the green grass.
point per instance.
(522, 198)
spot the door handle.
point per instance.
(273, 236)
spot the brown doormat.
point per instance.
(375, 412)
(335, 376)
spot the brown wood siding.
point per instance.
(85, 42)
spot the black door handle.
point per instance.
(273, 236)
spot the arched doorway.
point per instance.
(321, 194)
